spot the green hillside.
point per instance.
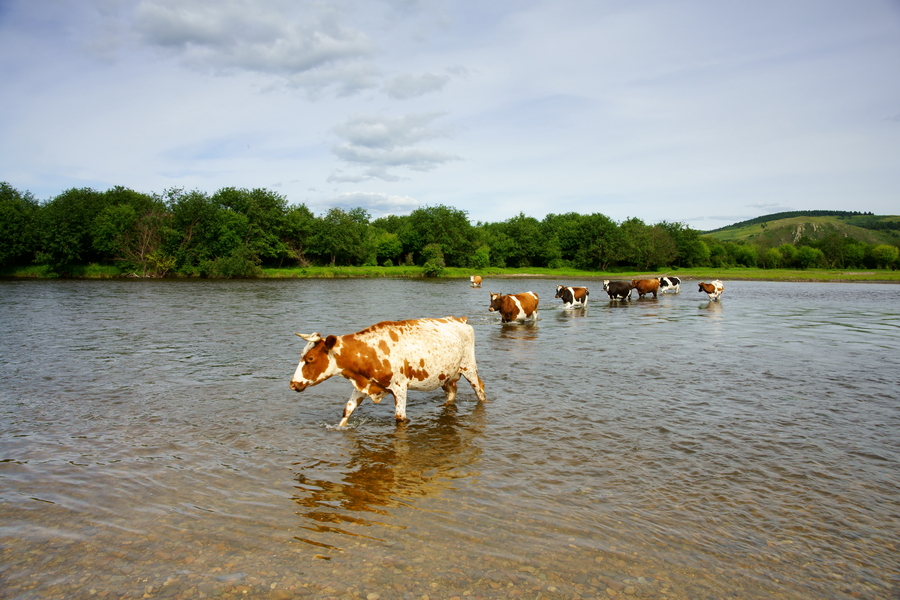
(780, 228)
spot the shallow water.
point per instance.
(748, 448)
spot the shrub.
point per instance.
(241, 262)
(434, 260)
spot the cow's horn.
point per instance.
(310, 337)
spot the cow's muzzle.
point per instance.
(298, 386)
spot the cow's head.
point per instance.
(702, 287)
(634, 283)
(495, 301)
(559, 291)
(606, 285)
(317, 363)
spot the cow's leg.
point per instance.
(475, 381)
(450, 389)
(400, 404)
(352, 403)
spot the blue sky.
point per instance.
(701, 112)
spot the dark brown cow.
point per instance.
(617, 290)
(645, 286)
(713, 290)
(515, 307)
(392, 357)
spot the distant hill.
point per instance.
(779, 228)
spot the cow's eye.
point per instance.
(308, 359)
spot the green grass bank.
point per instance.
(407, 272)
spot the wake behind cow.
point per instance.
(392, 357)
(572, 297)
(617, 290)
(515, 307)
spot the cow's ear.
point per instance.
(330, 341)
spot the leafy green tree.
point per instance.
(434, 260)
(299, 233)
(789, 254)
(210, 232)
(855, 254)
(718, 255)
(599, 240)
(66, 226)
(689, 248)
(482, 257)
(832, 246)
(563, 237)
(134, 231)
(694, 253)
(636, 243)
(663, 251)
(449, 227)
(345, 237)
(884, 255)
(501, 246)
(742, 254)
(19, 236)
(266, 220)
(389, 247)
(771, 259)
(809, 257)
(242, 261)
(527, 241)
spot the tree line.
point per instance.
(235, 232)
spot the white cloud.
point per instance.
(270, 37)
(404, 87)
(377, 204)
(379, 143)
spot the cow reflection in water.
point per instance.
(712, 308)
(519, 331)
(385, 471)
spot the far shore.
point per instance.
(562, 275)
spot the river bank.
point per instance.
(416, 272)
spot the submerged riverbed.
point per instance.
(658, 448)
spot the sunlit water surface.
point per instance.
(673, 448)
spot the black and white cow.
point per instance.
(617, 290)
(669, 284)
(572, 297)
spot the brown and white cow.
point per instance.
(617, 290)
(476, 280)
(515, 307)
(645, 286)
(713, 290)
(392, 357)
(572, 297)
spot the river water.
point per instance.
(664, 448)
